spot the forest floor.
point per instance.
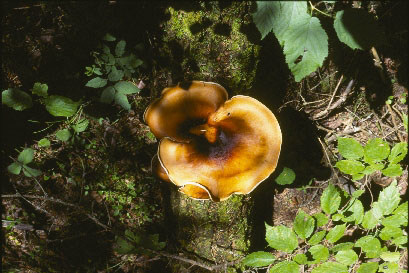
(97, 186)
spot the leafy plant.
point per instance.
(25, 157)
(138, 242)
(312, 241)
(113, 66)
(376, 155)
(304, 41)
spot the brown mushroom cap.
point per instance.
(240, 152)
(178, 109)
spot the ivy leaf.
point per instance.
(393, 170)
(26, 156)
(398, 152)
(305, 39)
(15, 168)
(63, 135)
(30, 172)
(370, 267)
(389, 198)
(96, 82)
(40, 89)
(350, 148)
(370, 245)
(319, 253)
(120, 48)
(258, 259)
(357, 29)
(285, 267)
(350, 166)
(332, 267)
(336, 233)
(44, 142)
(126, 88)
(108, 94)
(317, 237)
(303, 225)
(376, 150)
(346, 257)
(16, 99)
(60, 106)
(281, 238)
(330, 199)
(122, 100)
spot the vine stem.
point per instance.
(320, 11)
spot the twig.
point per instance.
(394, 122)
(335, 91)
(378, 64)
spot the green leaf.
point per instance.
(389, 198)
(350, 148)
(305, 39)
(303, 225)
(370, 267)
(63, 135)
(81, 125)
(115, 74)
(357, 29)
(388, 256)
(40, 89)
(373, 167)
(330, 199)
(96, 82)
(26, 156)
(350, 166)
(336, 233)
(281, 238)
(108, 94)
(357, 210)
(321, 218)
(317, 237)
(376, 150)
(44, 142)
(16, 99)
(60, 106)
(371, 219)
(330, 267)
(346, 257)
(120, 48)
(285, 267)
(405, 121)
(108, 37)
(342, 246)
(357, 193)
(123, 246)
(395, 221)
(126, 88)
(370, 245)
(401, 240)
(319, 253)
(300, 258)
(258, 259)
(15, 168)
(393, 170)
(122, 100)
(388, 267)
(30, 172)
(398, 152)
(286, 177)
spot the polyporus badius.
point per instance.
(209, 146)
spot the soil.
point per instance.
(74, 224)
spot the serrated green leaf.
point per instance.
(40, 89)
(115, 74)
(60, 106)
(350, 148)
(122, 100)
(332, 267)
(126, 88)
(26, 156)
(370, 267)
(390, 232)
(321, 218)
(336, 233)
(30, 172)
(258, 259)
(388, 267)
(317, 237)
(281, 238)
(342, 246)
(337, 216)
(44, 142)
(319, 253)
(303, 225)
(285, 267)
(370, 245)
(357, 29)
(330, 199)
(398, 152)
(393, 170)
(358, 176)
(96, 82)
(357, 193)
(16, 99)
(300, 258)
(357, 210)
(286, 177)
(401, 240)
(376, 150)
(370, 220)
(15, 168)
(81, 126)
(395, 221)
(389, 198)
(350, 166)
(63, 134)
(108, 94)
(373, 167)
(346, 257)
(120, 48)
(305, 39)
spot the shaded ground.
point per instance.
(76, 225)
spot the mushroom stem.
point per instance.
(209, 132)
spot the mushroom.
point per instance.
(212, 147)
